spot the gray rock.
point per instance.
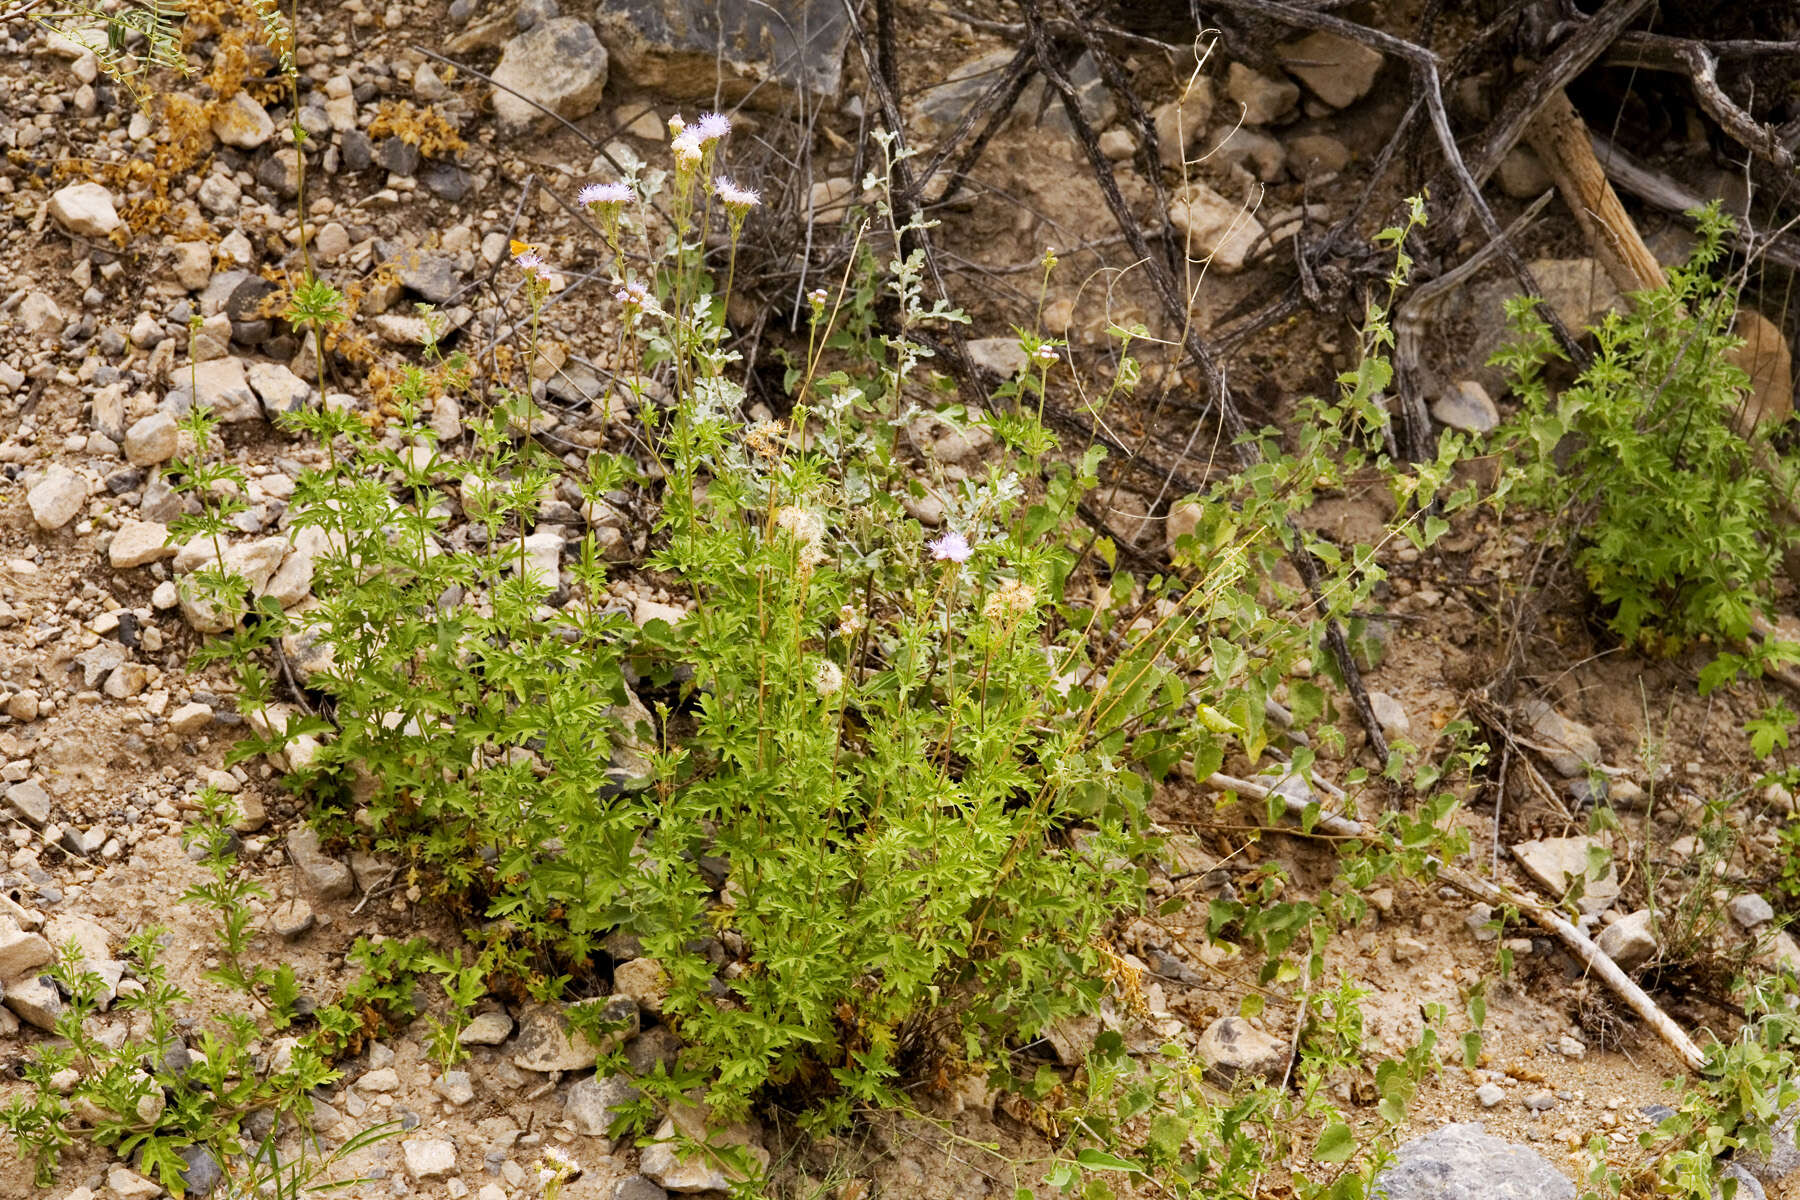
(594, 1103)
(446, 181)
(548, 1042)
(1215, 228)
(21, 952)
(1390, 714)
(1002, 356)
(291, 919)
(242, 122)
(657, 1044)
(1750, 911)
(679, 47)
(1263, 100)
(201, 1174)
(1465, 1162)
(1573, 745)
(532, 13)
(1556, 863)
(220, 385)
(1490, 1094)
(325, 876)
(1776, 1167)
(356, 151)
(30, 801)
(455, 1088)
(1629, 941)
(1315, 157)
(560, 64)
(1466, 406)
(432, 276)
(1232, 1047)
(1748, 1186)
(1541, 1101)
(399, 156)
(645, 981)
(636, 1187)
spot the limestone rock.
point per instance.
(1750, 911)
(429, 1158)
(325, 876)
(680, 48)
(1001, 356)
(221, 385)
(1629, 941)
(1315, 156)
(1263, 99)
(1782, 1163)
(1465, 1162)
(1572, 744)
(645, 981)
(20, 951)
(593, 1104)
(242, 122)
(1466, 406)
(1216, 229)
(663, 1163)
(560, 64)
(139, 543)
(1337, 70)
(1232, 1047)
(1180, 123)
(1556, 863)
(57, 497)
(486, 1029)
(30, 801)
(151, 440)
(35, 1000)
(1390, 714)
(548, 1042)
(279, 389)
(85, 209)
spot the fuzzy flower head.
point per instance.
(712, 127)
(818, 297)
(687, 151)
(556, 1167)
(764, 439)
(827, 677)
(738, 200)
(806, 527)
(633, 296)
(527, 259)
(950, 546)
(605, 195)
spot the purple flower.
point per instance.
(605, 194)
(950, 546)
(712, 127)
(529, 262)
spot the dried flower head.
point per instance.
(850, 622)
(805, 524)
(732, 196)
(827, 677)
(764, 438)
(712, 127)
(605, 195)
(950, 546)
(1009, 602)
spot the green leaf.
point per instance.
(1337, 1143)
(1098, 1160)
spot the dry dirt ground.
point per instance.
(119, 743)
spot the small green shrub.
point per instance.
(1670, 513)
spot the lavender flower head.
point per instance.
(739, 199)
(712, 127)
(605, 194)
(950, 546)
(529, 261)
(633, 295)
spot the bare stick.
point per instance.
(1560, 137)
(1696, 60)
(1583, 947)
(1664, 193)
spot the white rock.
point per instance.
(486, 1029)
(1629, 941)
(281, 390)
(85, 209)
(192, 263)
(191, 718)
(1390, 714)
(645, 981)
(139, 543)
(242, 122)
(1231, 1046)
(20, 951)
(1750, 911)
(222, 386)
(129, 1185)
(1466, 406)
(1216, 229)
(429, 1158)
(1181, 123)
(151, 440)
(1556, 863)
(40, 316)
(1001, 355)
(678, 1172)
(57, 497)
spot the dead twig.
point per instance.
(1700, 63)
